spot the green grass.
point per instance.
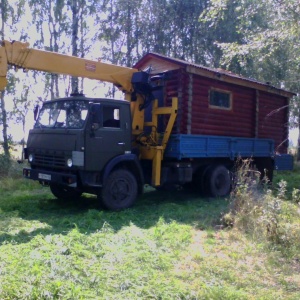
(168, 246)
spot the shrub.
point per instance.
(16, 169)
(5, 164)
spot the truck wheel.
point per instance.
(218, 181)
(119, 191)
(199, 184)
(65, 193)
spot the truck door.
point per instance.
(108, 137)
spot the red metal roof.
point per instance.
(218, 74)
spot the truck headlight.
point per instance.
(69, 162)
(30, 158)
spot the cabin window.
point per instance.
(111, 116)
(220, 99)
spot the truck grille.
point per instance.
(49, 160)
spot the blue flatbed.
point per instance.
(182, 146)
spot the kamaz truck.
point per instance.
(106, 147)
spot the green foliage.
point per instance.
(293, 179)
(129, 29)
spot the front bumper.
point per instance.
(47, 177)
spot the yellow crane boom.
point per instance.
(19, 54)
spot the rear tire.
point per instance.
(119, 191)
(218, 181)
(199, 184)
(65, 193)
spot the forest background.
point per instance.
(258, 39)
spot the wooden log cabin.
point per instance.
(219, 103)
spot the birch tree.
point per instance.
(50, 20)
(9, 17)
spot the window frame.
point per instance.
(213, 106)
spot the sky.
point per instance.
(293, 136)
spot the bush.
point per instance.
(10, 167)
(5, 164)
(16, 169)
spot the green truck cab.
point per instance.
(81, 144)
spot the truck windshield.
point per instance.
(62, 114)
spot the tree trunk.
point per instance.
(4, 124)
(3, 110)
(298, 144)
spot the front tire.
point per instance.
(119, 191)
(65, 193)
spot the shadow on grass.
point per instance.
(87, 216)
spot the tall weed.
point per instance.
(263, 211)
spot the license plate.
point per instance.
(44, 176)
